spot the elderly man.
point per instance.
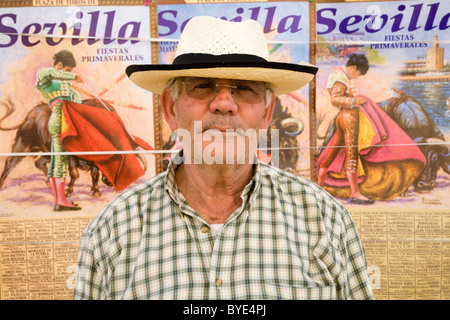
(232, 228)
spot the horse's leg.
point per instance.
(95, 175)
(106, 181)
(74, 175)
(41, 164)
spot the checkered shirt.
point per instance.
(288, 240)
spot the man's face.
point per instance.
(223, 118)
(60, 66)
(353, 73)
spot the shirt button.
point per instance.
(219, 282)
(204, 229)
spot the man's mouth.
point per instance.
(221, 129)
(224, 131)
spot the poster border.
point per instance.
(29, 3)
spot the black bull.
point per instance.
(33, 136)
(412, 117)
(417, 123)
(288, 128)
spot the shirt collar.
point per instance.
(247, 194)
(345, 71)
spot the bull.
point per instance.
(412, 117)
(288, 128)
(32, 136)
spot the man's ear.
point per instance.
(58, 66)
(268, 113)
(167, 105)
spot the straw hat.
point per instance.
(214, 48)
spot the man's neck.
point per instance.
(213, 192)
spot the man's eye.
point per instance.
(204, 85)
(243, 87)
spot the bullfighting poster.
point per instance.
(286, 27)
(383, 95)
(104, 125)
(401, 155)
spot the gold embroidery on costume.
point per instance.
(342, 91)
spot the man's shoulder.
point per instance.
(337, 75)
(43, 71)
(284, 177)
(296, 186)
(149, 186)
(130, 204)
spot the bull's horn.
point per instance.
(294, 122)
(437, 141)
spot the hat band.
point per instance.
(190, 58)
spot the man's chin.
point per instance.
(223, 154)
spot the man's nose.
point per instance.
(223, 102)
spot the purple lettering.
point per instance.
(27, 30)
(238, 11)
(444, 22)
(184, 24)
(108, 28)
(163, 22)
(415, 17)
(370, 24)
(77, 29)
(431, 16)
(398, 19)
(289, 23)
(255, 13)
(269, 19)
(349, 21)
(8, 31)
(321, 20)
(51, 27)
(93, 27)
(134, 32)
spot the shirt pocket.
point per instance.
(274, 290)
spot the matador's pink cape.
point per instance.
(387, 156)
(89, 128)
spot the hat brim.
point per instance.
(284, 77)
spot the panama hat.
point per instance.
(215, 48)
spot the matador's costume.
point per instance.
(342, 92)
(82, 127)
(54, 85)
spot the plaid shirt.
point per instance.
(288, 240)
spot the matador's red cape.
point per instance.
(88, 128)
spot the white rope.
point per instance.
(151, 39)
(23, 154)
